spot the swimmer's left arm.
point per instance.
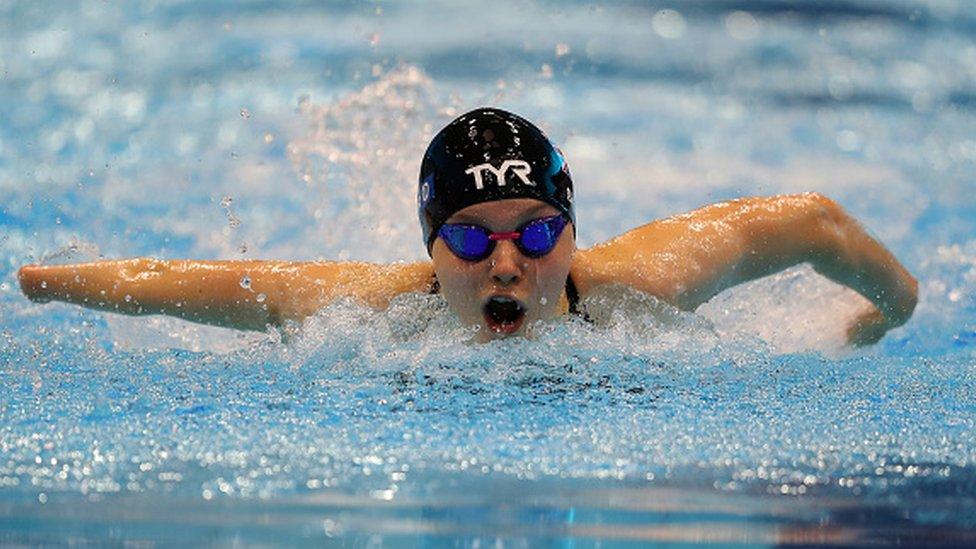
(689, 258)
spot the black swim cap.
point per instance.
(485, 155)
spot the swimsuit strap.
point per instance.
(572, 294)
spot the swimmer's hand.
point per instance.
(869, 326)
(248, 295)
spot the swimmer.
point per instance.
(496, 205)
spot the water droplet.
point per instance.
(543, 300)
(43, 284)
(668, 24)
(128, 298)
(848, 141)
(260, 298)
(245, 114)
(741, 25)
(268, 138)
(562, 49)
(246, 282)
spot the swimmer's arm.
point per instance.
(248, 295)
(688, 259)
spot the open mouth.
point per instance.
(503, 315)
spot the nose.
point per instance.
(507, 263)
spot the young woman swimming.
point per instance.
(496, 207)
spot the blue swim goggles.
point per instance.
(535, 238)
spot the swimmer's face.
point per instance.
(481, 293)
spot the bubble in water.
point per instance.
(43, 284)
(246, 282)
(668, 24)
(840, 87)
(562, 49)
(543, 300)
(546, 71)
(741, 25)
(848, 141)
(128, 298)
(260, 298)
(245, 114)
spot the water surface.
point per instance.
(248, 130)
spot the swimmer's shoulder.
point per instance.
(410, 277)
(296, 290)
(374, 282)
(641, 258)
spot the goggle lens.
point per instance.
(540, 236)
(466, 241)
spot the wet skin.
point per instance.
(683, 260)
(537, 284)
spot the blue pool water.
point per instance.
(249, 130)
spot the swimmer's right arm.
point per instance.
(247, 295)
(687, 259)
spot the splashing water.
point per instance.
(747, 418)
(360, 159)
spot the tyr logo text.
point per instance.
(520, 168)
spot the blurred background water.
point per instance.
(267, 130)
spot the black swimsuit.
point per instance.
(572, 294)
